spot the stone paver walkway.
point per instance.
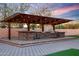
(38, 50)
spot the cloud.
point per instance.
(65, 10)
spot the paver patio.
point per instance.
(24, 43)
(38, 50)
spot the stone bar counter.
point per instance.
(32, 35)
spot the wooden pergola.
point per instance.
(35, 19)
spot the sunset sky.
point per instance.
(67, 11)
(62, 10)
(59, 10)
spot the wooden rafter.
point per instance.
(25, 18)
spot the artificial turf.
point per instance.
(74, 36)
(69, 52)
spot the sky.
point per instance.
(62, 10)
(58, 10)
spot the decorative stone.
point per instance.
(30, 35)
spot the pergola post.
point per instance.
(9, 31)
(42, 27)
(28, 26)
(54, 28)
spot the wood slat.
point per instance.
(25, 18)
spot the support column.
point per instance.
(42, 27)
(28, 26)
(9, 31)
(54, 28)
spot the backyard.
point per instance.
(33, 29)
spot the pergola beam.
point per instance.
(23, 18)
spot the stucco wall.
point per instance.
(69, 31)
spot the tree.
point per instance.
(9, 9)
(33, 26)
(23, 8)
(42, 11)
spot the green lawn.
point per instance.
(74, 36)
(70, 52)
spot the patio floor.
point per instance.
(24, 43)
(38, 50)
